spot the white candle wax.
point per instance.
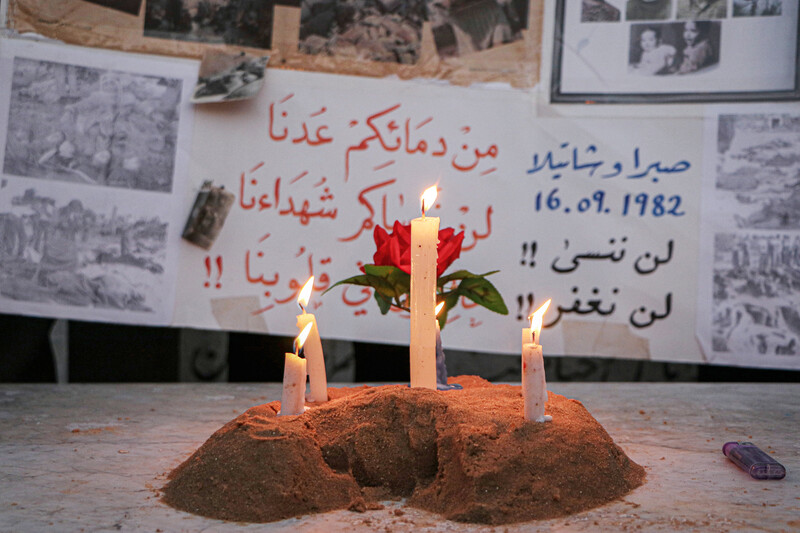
(424, 240)
(293, 397)
(534, 388)
(315, 360)
(527, 336)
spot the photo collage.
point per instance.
(376, 30)
(754, 231)
(91, 164)
(669, 51)
(674, 37)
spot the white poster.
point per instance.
(95, 148)
(100, 175)
(749, 303)
(600, 215)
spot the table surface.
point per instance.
(92, 458)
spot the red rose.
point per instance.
(395, 248)
(449, 249)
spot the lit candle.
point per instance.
(424, 240)
(317, 379)
(293, 397)
(534, 387)
(527, 334)
(441, 367)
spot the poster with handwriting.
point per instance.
(600, 215)
(94, 155)
(749, 304)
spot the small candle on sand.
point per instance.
(293, 397)
(317, 378)
(424, 241)
(534, 387)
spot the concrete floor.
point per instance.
(91, 458)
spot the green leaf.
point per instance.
(391, 276)
(459, 275)
(482, 292)
(383, 279)
(450, 301)
(362, 280)
(383, 303)
(379, 270)
(365, 280)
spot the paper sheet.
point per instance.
(749, 300)
(599, 214)
(95, 155)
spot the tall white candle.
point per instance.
(534, 386)
(424, 240)
(315, 365)
(293, 396)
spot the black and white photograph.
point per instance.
(90, 125)
(599, 11)
(462, 27)
(225, 77)
(60, 250)
(237, 22)
(756, 291)
(679, 51)
(758, 170)
(702, 9)
(131, 7)
(757, 8)
(210, 209)
(388, 31)
(648, 10)
(674, 48)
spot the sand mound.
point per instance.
(467, 455)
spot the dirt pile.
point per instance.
(467, 455)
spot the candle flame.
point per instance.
(305, 294)
(301, 339)
(428, 198)
(536, 320)
(439, 307)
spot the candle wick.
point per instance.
(299, 351)
(302, 307)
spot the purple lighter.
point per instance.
(752, 460)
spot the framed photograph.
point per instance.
(674, 51)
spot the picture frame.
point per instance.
(687, 51)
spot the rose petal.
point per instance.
(448, 251)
